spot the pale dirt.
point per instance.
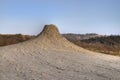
(51, 57)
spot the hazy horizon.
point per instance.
(71, 16)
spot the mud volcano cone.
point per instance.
(51, 38)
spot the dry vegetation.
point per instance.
(9, 39)
(104, 44)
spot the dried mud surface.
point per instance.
(52, 57)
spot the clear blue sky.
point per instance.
(71, 16)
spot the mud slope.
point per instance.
(51, 57)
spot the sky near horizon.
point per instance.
(71, 16)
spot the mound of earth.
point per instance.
(51, 57)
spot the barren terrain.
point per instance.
(51, 57)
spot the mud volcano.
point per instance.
(51, 57)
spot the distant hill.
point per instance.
(75, 37)
(102, 44)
